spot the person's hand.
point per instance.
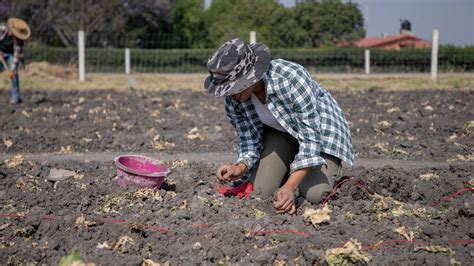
(285, 201)
(12, 74)
(230, 172)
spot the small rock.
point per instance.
(59, 174)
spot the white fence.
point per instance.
(332, 60)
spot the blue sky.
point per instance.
(453, 18)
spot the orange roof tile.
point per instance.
(381, 41)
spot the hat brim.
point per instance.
(19, 28)
(260, 67)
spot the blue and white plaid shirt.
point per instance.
(304, 108)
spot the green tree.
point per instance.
(56, 22)
(189, 20)
(236, 18)
(329, 21)
(285, 31)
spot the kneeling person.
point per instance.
(292, 135)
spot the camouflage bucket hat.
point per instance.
(235, 66)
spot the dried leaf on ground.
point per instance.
(258, 213)
(383, 147)
(471, 182)
(149, 262)
(452, 137)
(184, 205)
(121, 243)
(428, 176)
(4, 226)
(67, 149)
(393, 110)
(436, 249)
(103, 245)
(278, 262)
(317, 216)
(8, 143)
(194, 134)
(464, 158)
(350, 252)
(179, 164)
(148, 193)
(81, 221)
(110, 203)
(161, 145)
(469, 128)
(383, 125)
(224, 261)
(428, 108)
(407, 234)
(28, 183)
(210, 202)
(14, 162)
(400, 151)
(25, 113)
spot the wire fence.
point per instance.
(148, 41)
(101, 57)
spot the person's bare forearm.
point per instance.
(296, 177)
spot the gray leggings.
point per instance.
(279, 150)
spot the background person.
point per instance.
(12, 37)
(292, 135)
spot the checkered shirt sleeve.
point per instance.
(3, 30)
(17, 54)
(248, 126)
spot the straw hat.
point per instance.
(19, 28)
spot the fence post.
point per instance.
(127, 61)
(253, 37)
(367, 61)
(434, 55)
(82, 55)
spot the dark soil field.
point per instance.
(408, 200)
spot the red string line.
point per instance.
(358, 183)
(450, 196)
(200, 225)
(461, 241)
(156, 228)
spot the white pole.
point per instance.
(434, 55)
(253, 37)
(367, 61)
(127, 61)
(82, 56)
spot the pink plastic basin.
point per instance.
(140, 171)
